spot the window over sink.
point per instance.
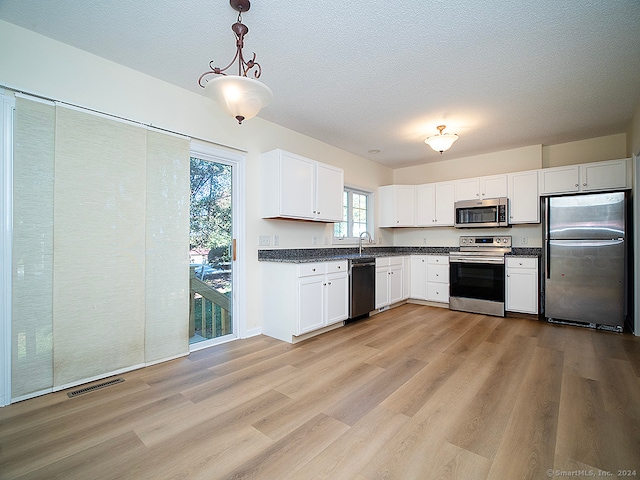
(357, 214)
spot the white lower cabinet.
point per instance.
(430, 278)
(438, 278)
(301, 298)
(521, 284)
(389, 281)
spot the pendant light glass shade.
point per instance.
(240, 97)
(442, 141)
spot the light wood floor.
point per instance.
(416, 392)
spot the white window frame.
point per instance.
(351, 240)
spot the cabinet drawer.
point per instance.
(395, 260)
(438, 259)
(337, 267)
(438, 273)
(519, 262)
(308, 269)
(438, 292)
(382, 261)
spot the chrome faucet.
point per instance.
(364, 234)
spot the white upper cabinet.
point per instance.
(492, 186)
(329, 191)
(397, 205)
(296, 187)
(586, 177)
(435, 204)
(524, 200)
(610, 175)
(559, 179)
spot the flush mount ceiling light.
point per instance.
(240, 96)
(441, 141)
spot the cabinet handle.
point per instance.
(318, 212)
(437, 274)
(584, 184)
(329, 283)
(576, 184)
(313, 269)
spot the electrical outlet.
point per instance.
(276, 239)
(424, 241)
(263, 240)
(326, 240)
(314, 240)
(525, 240)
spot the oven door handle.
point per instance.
(493, 261)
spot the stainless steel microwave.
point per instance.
(491, 212)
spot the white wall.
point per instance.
(610, 147)
(514, 160)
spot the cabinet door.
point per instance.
(310, 303)
(467, 189)
(395, 283)
(406, 277)
(494, 186)
(524, 201)
(425, 205)
(405, 205)
(521, 285)
(297, 177)
(328, 193)
(387, 206)
(444, 200)
(382, 287)
(559, 180)
(419, 277)
(522, 290)
(337, 298)
(604, 175)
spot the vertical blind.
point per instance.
(119, 224)
(32, 248)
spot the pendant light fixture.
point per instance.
(441, 141)
(240, 96)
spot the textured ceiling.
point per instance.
(365, 75)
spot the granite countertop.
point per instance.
(308, 255)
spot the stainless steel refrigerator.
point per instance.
(585, 259)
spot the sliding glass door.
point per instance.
(212, 250)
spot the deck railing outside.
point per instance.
(210, 310)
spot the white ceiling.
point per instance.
(365, 75)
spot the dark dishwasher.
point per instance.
(362, 287)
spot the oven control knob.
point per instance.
(498, 240)
(505, 240)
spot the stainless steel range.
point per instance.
(476, 275)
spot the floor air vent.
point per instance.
(81, 391)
